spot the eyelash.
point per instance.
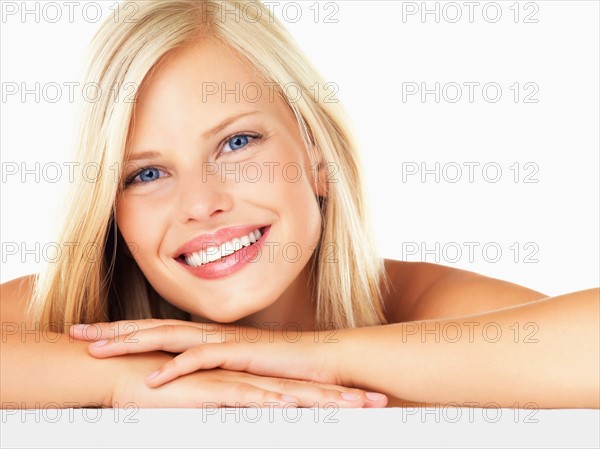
(255, 138)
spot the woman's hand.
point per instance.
(223, 388)
(309, 356)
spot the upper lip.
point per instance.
(205, 241)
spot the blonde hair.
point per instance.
(84, 289)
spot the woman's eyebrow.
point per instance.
(206, 136)
(143, 156)
(215, 130)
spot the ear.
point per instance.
(322, 178)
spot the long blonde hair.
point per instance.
(99, 281)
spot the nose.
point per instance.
(202, 197)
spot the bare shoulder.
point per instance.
(423, 290)
(14, 297)
(409, 280)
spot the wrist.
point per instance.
(128, 384)
(326, 348)
(353, 356)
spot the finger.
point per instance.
(375, 400)
(241, 394)
(200, 391)
(111, 330)
(312, 394)
(168, 338)
(292, 386)
(115, 329)
(206, 356)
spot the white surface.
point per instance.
(262, 428)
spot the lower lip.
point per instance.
(229, 264)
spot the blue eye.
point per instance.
(239, 141)
(145, 176)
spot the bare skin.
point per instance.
(477, 293)
(173, 121)
(73, 378)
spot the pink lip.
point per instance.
(232, 263)
(205, 241)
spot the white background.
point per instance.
(369, 53)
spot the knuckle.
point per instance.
(355, 391)
(241, 391)
(166, 329)
(175, 364)
(331, 395)
(195, 351)
(268, 398)
(284, 384)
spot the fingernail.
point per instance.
(153, 374)
(79, 327)
(288, 398)
(99, 343)
(374, 396)
(350, 396)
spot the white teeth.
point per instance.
(237, 244)
(196, 258)
(226, 249)
(214, 256)
(215, 253)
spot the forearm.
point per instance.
(47, 370)
(497, 357)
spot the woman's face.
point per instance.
(212, 150)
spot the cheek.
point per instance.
(139, 224)
(293, 197)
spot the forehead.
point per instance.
(205, 80)
(203, 64)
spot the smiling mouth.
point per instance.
(216, 253)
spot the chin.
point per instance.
(223, 318)
(229, 314)
(221, 308)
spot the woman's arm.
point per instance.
(544, 352)
(43, 369)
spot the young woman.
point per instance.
(224, 255)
